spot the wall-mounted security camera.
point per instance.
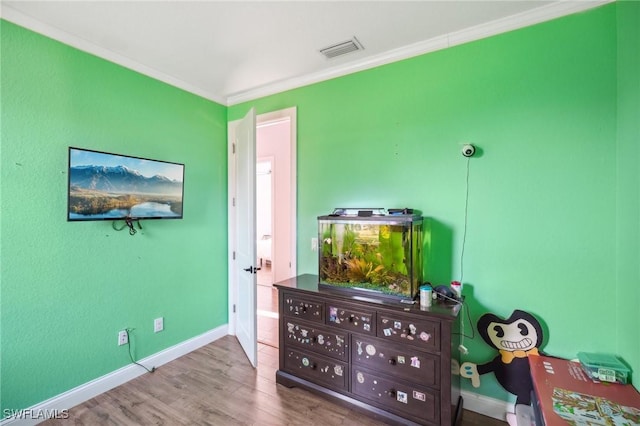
(468, 150)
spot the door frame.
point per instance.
(291, 114)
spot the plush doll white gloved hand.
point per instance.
(470, 371)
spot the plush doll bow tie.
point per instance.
(508, 356)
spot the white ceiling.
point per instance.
(233, 51)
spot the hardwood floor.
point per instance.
(267, 303)
(267, 332)
(215, 385)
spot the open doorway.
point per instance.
(275, 208)
(264, 219)
(283, 221)
(266, 294)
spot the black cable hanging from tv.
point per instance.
(128, 222)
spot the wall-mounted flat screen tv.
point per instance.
(104, 186)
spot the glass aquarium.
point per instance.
(371, 250)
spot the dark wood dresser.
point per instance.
(391, 359)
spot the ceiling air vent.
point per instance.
(342, 48)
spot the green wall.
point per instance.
(544, 228)
(628, 185)
(553, 198)
(68, 288)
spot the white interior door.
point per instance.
(245, 220)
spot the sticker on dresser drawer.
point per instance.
(399, 361)
(397, 396)
(302, 308)
(422, 333)
(348, 318)
(331, 373)
(318, 339)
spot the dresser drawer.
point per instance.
(301, 307)
(330, 373)
(318, 339)
(352, 318)
(401, 361)
(421, 333)
(396, 396)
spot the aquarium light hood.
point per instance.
(369, 212)
(377, 211)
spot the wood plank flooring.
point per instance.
(215, 385)
(267, 318)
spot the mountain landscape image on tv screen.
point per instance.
(105, 186)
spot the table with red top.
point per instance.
(564, 395)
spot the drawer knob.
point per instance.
(306, 362)
(392, 361)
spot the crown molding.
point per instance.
(521, 20)
(510, 23)
(10, 14)
(524, 19)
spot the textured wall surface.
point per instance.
(553, 195)
(541, 105)
(628, 186)
(68, 288)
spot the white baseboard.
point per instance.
(486, 405)
(66, 400)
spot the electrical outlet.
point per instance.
(158, 324)
(314, 244)
(123, 338)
